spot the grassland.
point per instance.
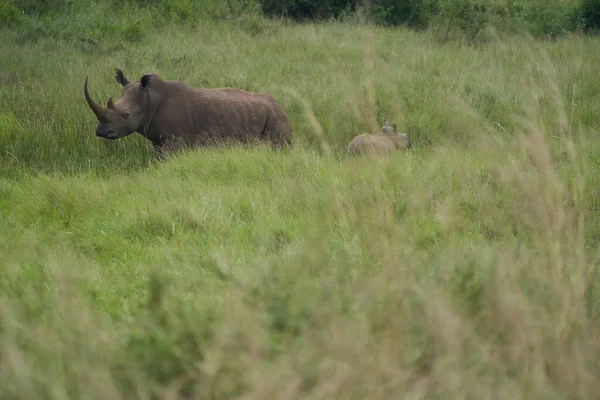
(465, 268)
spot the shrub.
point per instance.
(590, 15)
(10, 15)
(192, 10)
(413, 13)
(453, 18)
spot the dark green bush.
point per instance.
(413, 13)
(590, 15)
(554, 19)
(193, 10)
(541, 18)
(468, 17)
(452, 18)
(307, 9)
(40, 6)
(10, 15)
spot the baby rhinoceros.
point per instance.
(383, 142)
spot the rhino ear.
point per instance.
(386, 123)
(145, 80)
(120, 78)
(395, 127)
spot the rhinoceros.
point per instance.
(171, 114)
(383, 142)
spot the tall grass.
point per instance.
(464, 268)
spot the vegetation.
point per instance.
(463, 268)
(457, 18)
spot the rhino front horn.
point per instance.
(96, 108)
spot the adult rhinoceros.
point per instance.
(171, 113)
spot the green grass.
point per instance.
(464, 268)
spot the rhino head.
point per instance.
(126, 115)
(400, 140)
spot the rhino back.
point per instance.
(358, 143)
(367, 143)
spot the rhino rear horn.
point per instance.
(96, 108)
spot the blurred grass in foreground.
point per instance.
(465, 268)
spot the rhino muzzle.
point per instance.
(106, 133)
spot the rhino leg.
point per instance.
(160, 153)
(279, 132)
(175, 145)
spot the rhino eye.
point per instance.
(125, 115)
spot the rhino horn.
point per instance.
(96, 108)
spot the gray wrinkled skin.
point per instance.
(384, 142)
(171, 114)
